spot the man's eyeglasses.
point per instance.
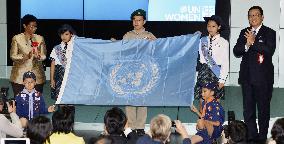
(255, 15)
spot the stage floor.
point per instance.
(90, 118)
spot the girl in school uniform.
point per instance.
(59, 57)
(214, 58)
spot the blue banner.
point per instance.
(131, 72)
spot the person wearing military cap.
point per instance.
(30, 102)
(137, 115)
(138, 18)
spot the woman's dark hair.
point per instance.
(218, 21)
(39, 129)
(115, 120)
(63, 120)
(28, 18)
(277, 131)
(66, 27)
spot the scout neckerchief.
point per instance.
(208, 57)
(31, 102)
(210, 99)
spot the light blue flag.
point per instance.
(131, 72)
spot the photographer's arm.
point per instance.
(15, 128)
(182, 131)
(13, 115)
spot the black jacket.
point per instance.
(122, 139)
(251, 71)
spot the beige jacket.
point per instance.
(21, 45)
(135, 35)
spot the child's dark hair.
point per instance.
(63, 121)
(212, 86)
(28, 18)
(218, 20)
(64, 28)
(237, 131)
(115, 120)
(39, 129)
(277, 131)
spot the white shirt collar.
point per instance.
(68, 43)
(257, 29)
(215, 37)
(27, 92)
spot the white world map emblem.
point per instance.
(134, 78)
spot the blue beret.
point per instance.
(210, 85)
(29, 74)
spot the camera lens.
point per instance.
(173, 124)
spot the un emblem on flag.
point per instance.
(134, 77)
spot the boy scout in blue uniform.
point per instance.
(30, 103)
(137, 115)
(212, 116)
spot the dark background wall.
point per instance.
(107, 29)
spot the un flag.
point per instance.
(131, 72)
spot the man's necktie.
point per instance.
(254, 32)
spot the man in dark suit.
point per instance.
(256, 45)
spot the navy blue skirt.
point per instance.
(58, 77)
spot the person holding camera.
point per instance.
(160, 131)
(13, 128)
(137, 115)
(212, 116)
